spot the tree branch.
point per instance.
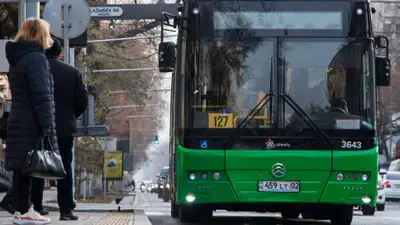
(140, 30)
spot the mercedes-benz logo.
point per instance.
(278, 170)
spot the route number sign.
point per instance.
(220, 120)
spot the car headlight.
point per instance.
(156, 186)
(167, 185)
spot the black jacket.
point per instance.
(32, 109)
(70, 96)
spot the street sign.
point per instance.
(113, 165)
(132, 11)
(75, 14)
(105, 11)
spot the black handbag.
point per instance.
(44, 163)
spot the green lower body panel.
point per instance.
(234, 176)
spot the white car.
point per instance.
(381, 198)
(392, 185)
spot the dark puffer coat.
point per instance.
(32, 109)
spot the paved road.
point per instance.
(159, 214)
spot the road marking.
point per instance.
(155, 213)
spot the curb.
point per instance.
(141, 217)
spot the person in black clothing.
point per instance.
(32, 114)
(37, 183)
(133, 184)
(71, 99)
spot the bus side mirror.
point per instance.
(382, 71)
(166, 57)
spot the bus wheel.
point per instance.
(206, 214)
(290, 214)
(166, 197)
(368, 210)
(191, 214)
(342, 216)
(188, 214)
(174, 210)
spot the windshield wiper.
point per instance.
(230, 141)
(317, 130)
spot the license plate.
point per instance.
(279, 186)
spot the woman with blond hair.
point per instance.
(32, 113)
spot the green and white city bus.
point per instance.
(273, 107)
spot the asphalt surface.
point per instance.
(159, 214)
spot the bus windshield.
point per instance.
(329, 78)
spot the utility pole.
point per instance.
(21, 13)
(32, 9)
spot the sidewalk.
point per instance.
(92, 214)
(103, 218)
(126, 205)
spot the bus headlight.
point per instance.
(190, 198)
(192, 176)
(216, 176)
(366, 199)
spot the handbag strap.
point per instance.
(50, 145)
(40, 144)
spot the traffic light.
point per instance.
(155, 141)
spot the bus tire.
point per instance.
(342, 216)
(174, 210)
(290, 214)
(368, 210)
(188, 214)
(166, 196)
